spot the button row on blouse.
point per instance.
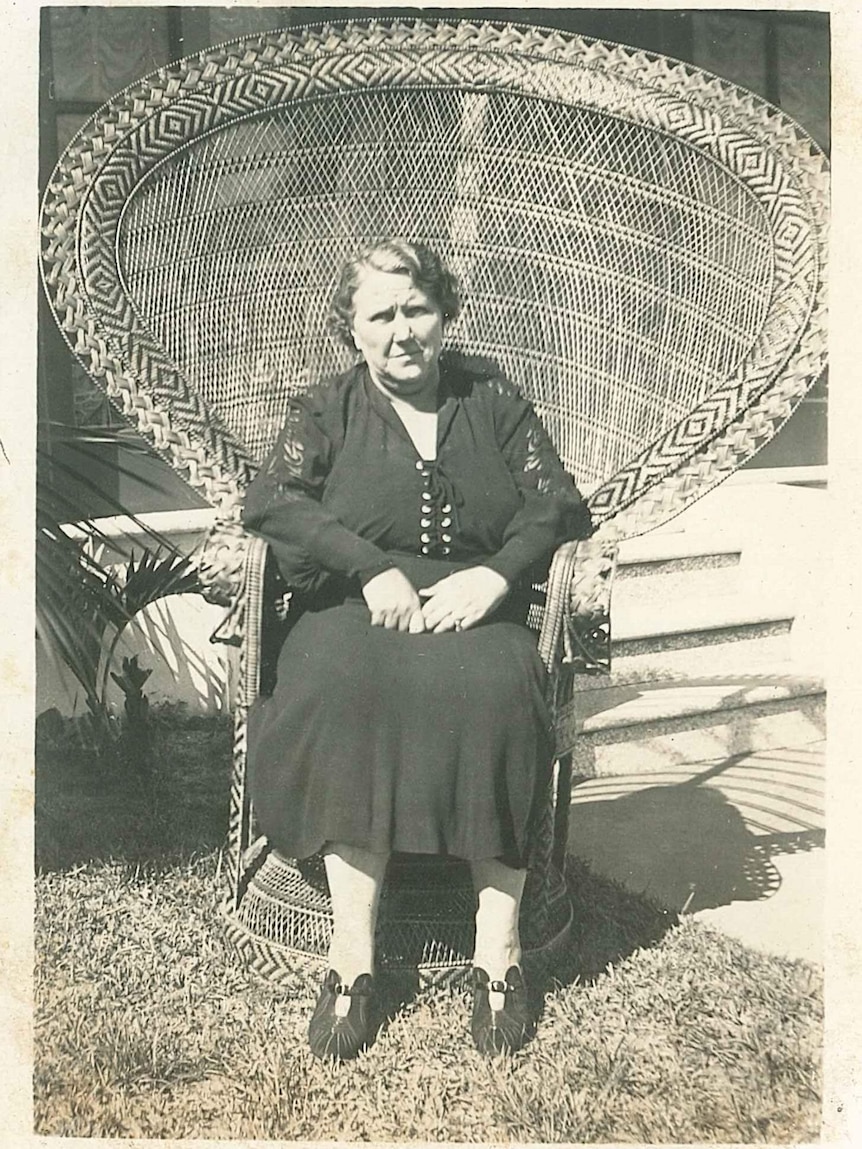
(429, 507)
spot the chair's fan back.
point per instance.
(640, 247)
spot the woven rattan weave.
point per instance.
(641, 247)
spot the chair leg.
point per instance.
(239, 825)
(562, 809)
(250, 609)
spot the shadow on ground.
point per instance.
(684, 846)
(609, 923)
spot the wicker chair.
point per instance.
(641, 247)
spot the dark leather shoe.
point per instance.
(341, 1023)
(502, 1020)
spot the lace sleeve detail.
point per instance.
(541, 466)
(296, 467)
(529, 450)
(552, 509)
(283, 505)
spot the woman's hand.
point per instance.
(462, 599)
(393, 602)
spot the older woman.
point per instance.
(414, 504)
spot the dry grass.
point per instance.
(147, 1028)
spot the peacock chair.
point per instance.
(641, 249)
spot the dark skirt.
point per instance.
(428, 744)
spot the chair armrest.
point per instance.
(225, 560)
(249, 609)
(587, 630)
(255, 620)
(220, 559)
(576, 630)
(560, 576)
(575, 639)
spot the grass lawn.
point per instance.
(658, 1031)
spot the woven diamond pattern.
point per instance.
(641, 245)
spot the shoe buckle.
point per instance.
(342, 1001)
(497, 996)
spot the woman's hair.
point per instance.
(425, 268)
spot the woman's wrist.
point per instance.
(505, 584)
(368, 573)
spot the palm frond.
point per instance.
(62, 498)
(80, 598)
(73, 606)
(154, 575)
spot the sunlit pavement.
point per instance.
(737, 843)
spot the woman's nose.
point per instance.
(401, 329)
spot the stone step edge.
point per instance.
(632, 621)
(719, 635)
(577, 741)
(742, 656)
(755, 728)
(684, 703)
(701, 562)
(659, 546)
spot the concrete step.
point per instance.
(670, 549)
(673, 564)
(753, 654)
(673, 609)
(665, 709)
(729, 568)
(692, 577)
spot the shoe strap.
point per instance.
(500, 987)
(342, 989)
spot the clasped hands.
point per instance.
(456, 602)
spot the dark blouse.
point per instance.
(344, 491)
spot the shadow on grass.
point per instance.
(94, 805)
(610, 922)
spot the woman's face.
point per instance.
(398, 328)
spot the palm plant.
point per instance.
(84, 602)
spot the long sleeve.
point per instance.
(283, 503)
(552, 509)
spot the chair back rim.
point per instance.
(125, 140)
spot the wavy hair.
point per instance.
(424, 266)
